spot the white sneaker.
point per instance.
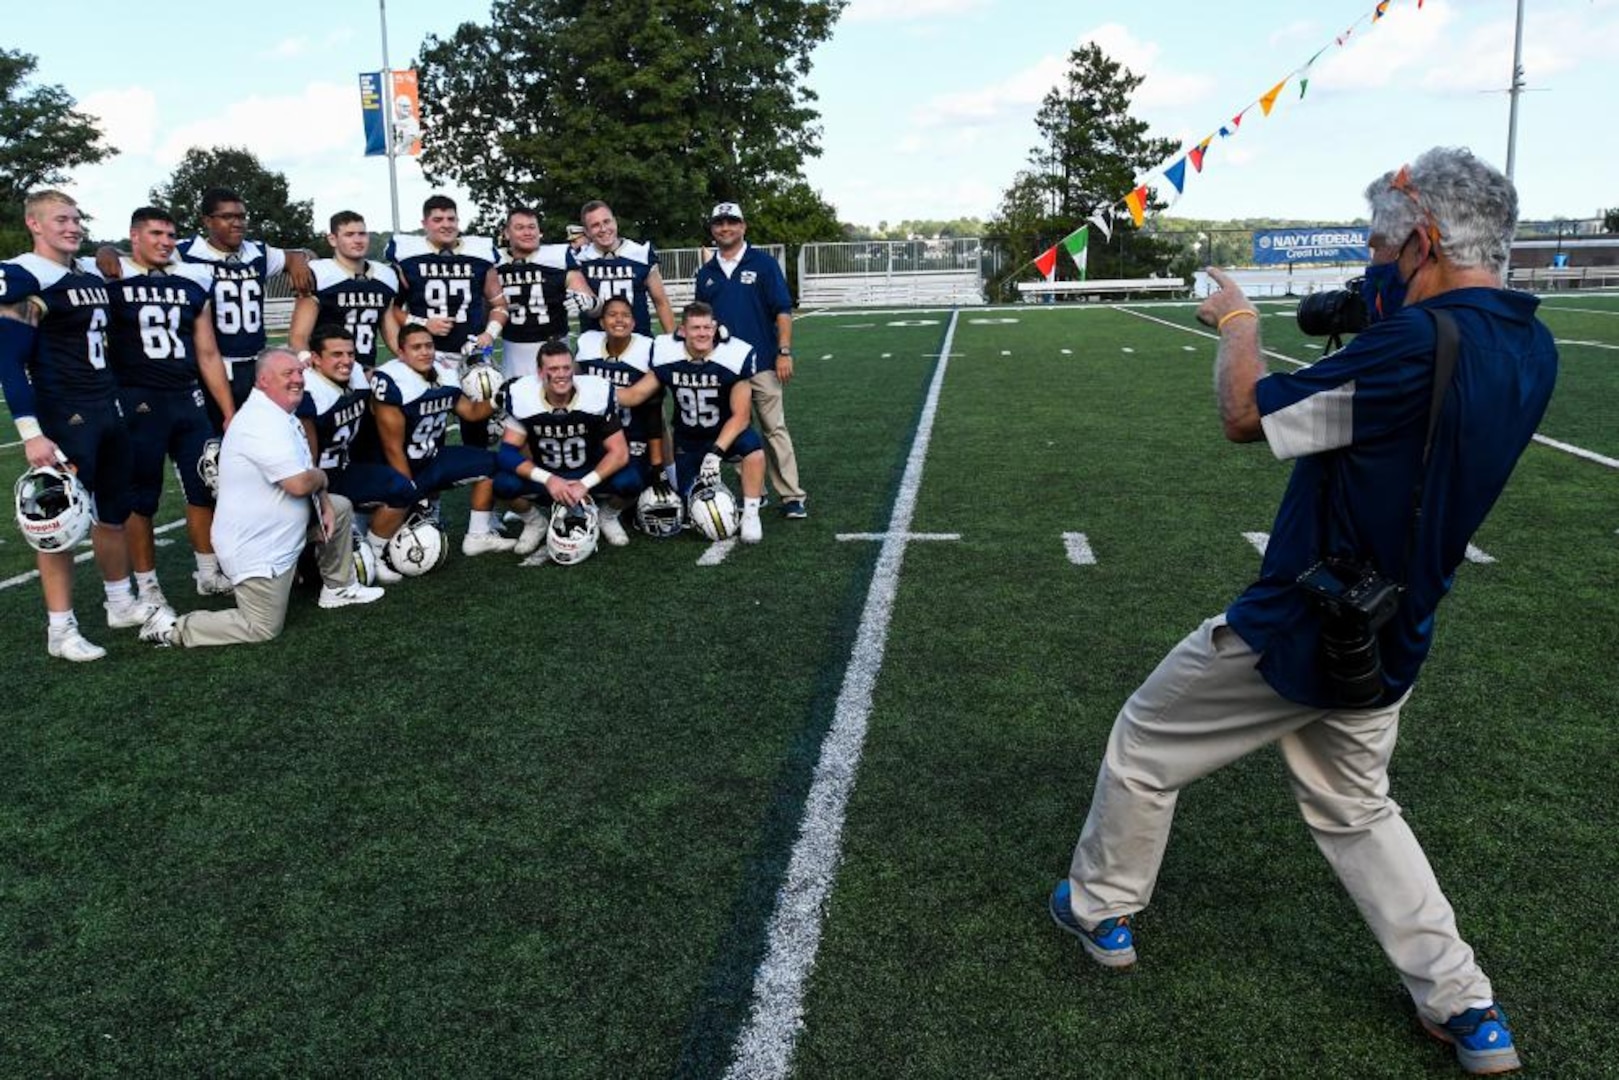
(68, 644)
(153, 595)
(352, 593)
(160, 628)
(613, 529)
(533, 536)
(485, 543)
(129, 614)
(752, 531)
(214, 584)
(539, 558)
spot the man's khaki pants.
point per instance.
(261, 602)
(1205, 706)
(772, 420)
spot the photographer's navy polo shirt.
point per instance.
(1355, 423)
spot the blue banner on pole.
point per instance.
(371, 104)
(1347, 243)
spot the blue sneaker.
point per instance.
(1110, 944)
(794, 509)
(1482, 1040)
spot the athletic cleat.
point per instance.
(533, 536)
(131, 613)
(352, 593)
(1482, 1040)
(541, 557)
(612, 529)
(67, 643)
(793, 510)
(161, 628)
(214, 584)
(484, 543)
(1110, 943)
(152, 594)
(752, 532)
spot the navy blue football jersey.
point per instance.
(534, 286)
(445, 284)
(623, 370)
(69, 360)
(154, 317)
(567, 440)
(238, 290)
(621, 272)
(702, 389)
(356, 302)
(338, 414)
(428, 406)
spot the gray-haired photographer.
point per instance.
(1398, 460)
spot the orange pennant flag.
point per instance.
(1137, 202)
(1269, 100)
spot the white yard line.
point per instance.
(716, 552)
(1567, 448)
(1079, 550)
(81, 557)
(1581, 310)
(764, 1047)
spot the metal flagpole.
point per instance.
(388, 115)
(1517, 88)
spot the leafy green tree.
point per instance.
(42, 139)
(273, 215)
(660, 107)
(1091, 151)
(1610, 220)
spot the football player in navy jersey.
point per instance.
(351, 291)
(411, 406)
(564, 441)
(62, 397)
(623, 357)
(536, 278)
(713, 402)
(164, 356)
(337, 418)
(449, 285)
(615, 266)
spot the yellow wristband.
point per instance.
(1228, 316)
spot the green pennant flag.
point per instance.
(1075, 244)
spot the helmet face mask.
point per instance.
(573, 532)
(54, 511)
(659, 512)
(417, 548)
(713, 509)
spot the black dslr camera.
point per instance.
(1354, 602)
(1333, 314)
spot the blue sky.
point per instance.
(927, 105)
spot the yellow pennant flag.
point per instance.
(1137, 202)
(1269, 100)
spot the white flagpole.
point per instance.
(388, 114)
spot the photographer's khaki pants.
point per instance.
(1204, 707)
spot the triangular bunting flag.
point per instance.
(1137, 202)
(1268, 102)
(1103, 220)
(1176, 174)
(1196, 153)
(1046, 262)
(1236, 121)
(1304, 84)
(1382, 10)
(1075, 244)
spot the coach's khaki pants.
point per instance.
(261, 602)
(772, 420)
(1205, 706)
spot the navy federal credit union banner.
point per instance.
(1321, 244)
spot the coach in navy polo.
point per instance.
(1357, 423)
(748, 292)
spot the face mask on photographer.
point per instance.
(1383, 289)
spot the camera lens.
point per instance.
(1354, 664)
(1326, 314)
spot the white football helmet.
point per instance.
(481, 382)
(659, 512)
(418, 547)
(712, 509)
(573, 532)
(208, 466)
(365, 562)
(53, 508)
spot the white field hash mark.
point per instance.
(1079, 549)
(86, 556)
(716, 552)
(1261, 541)
(764, 1047)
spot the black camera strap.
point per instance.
(1446, 347)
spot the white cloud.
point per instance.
(288, 48)
(128, 117)
(323, 119)
(908, 10)
(1296, 32)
